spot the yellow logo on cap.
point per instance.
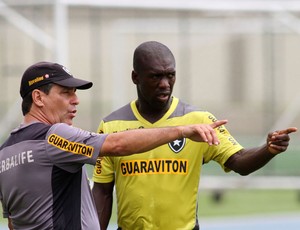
(37, 79)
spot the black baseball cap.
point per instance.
(43, 73)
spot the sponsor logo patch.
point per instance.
(98, 166)
(37, 79)
(154, 166)
(73, 147)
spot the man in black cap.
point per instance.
(43, 184)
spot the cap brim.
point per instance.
(75, 83)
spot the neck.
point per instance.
(31, 118)
(152, 114)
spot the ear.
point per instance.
(134, 77)
(37, 97)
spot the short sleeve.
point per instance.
(69, 147)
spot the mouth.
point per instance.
(73, 113)
(163, 96)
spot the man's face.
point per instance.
(60, 105)
(155, 81)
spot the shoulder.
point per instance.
(68, 130)
(184, 108)
(34, 131)
(123, 113)
(192, 113)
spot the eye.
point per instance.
(69, 91)
(171, 75)
(155, 76)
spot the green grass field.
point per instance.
(248, 202)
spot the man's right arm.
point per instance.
(142, 140)
(103, 196)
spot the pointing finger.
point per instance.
(218, 123)
(288, 130)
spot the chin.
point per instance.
(161, 105)
(69, 122)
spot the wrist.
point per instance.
(181, 132)
(272, 150)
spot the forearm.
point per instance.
(138, 141)
(104, 213)
(142, 140)
(104, 201)
(249, 160)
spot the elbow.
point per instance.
(242, 171)
(113, 146)
(238, 164)
(118, 150)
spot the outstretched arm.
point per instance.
(142, 140)
(247, 161)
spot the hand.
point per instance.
(278, 141)
(203, 132)
(10, 226)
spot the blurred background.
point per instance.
(239, 59)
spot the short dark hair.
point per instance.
(146, 50)
(27, 100)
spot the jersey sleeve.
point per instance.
(227, 147)
(69, 147)
(100, 127)
(104, 169)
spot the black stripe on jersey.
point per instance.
(35, 131)
(66, 199)
(183, 109)
(124, 113)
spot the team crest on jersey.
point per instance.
(177, 145)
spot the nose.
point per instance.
(75, 99)
(164, 82)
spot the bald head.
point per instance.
(147, 52)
